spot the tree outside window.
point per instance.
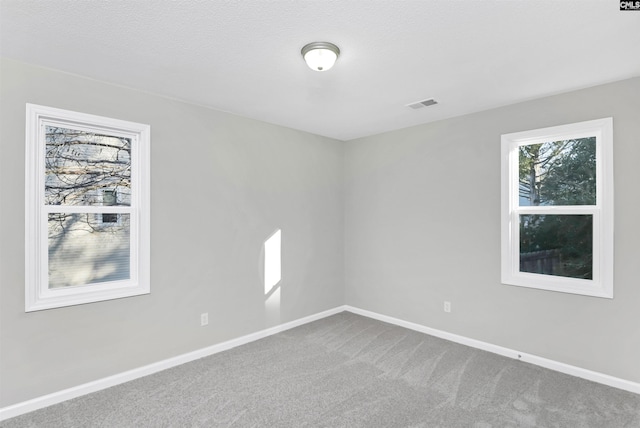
(557, 208)
(559, 173)
(87, 193)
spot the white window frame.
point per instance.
(602, 283)
(38, 295)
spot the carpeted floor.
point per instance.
(348, 371)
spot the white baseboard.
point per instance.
(107, 382)
(511, 353)
(100, 384)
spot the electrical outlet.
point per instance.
(204, 319)
(447, 306)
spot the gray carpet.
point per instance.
(348, 371)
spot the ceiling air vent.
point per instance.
(423, 103)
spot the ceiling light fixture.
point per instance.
(320, 56)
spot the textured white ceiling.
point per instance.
(244, 56)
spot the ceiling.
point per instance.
(244, 56)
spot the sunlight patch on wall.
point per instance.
(272, 308)
(272, 261)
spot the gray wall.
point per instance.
(413, 215)
(220, 186)
(422, 226)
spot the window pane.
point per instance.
(84, 168)
(559, 245)
(109, 218)
(558, 173)
(83, 249)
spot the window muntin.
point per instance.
(87, 236)
(557, 208)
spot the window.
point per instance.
(109, 199)
(557, 208)
(87, 207)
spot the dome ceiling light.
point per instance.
(320, 56)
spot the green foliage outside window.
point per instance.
(560, 173)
